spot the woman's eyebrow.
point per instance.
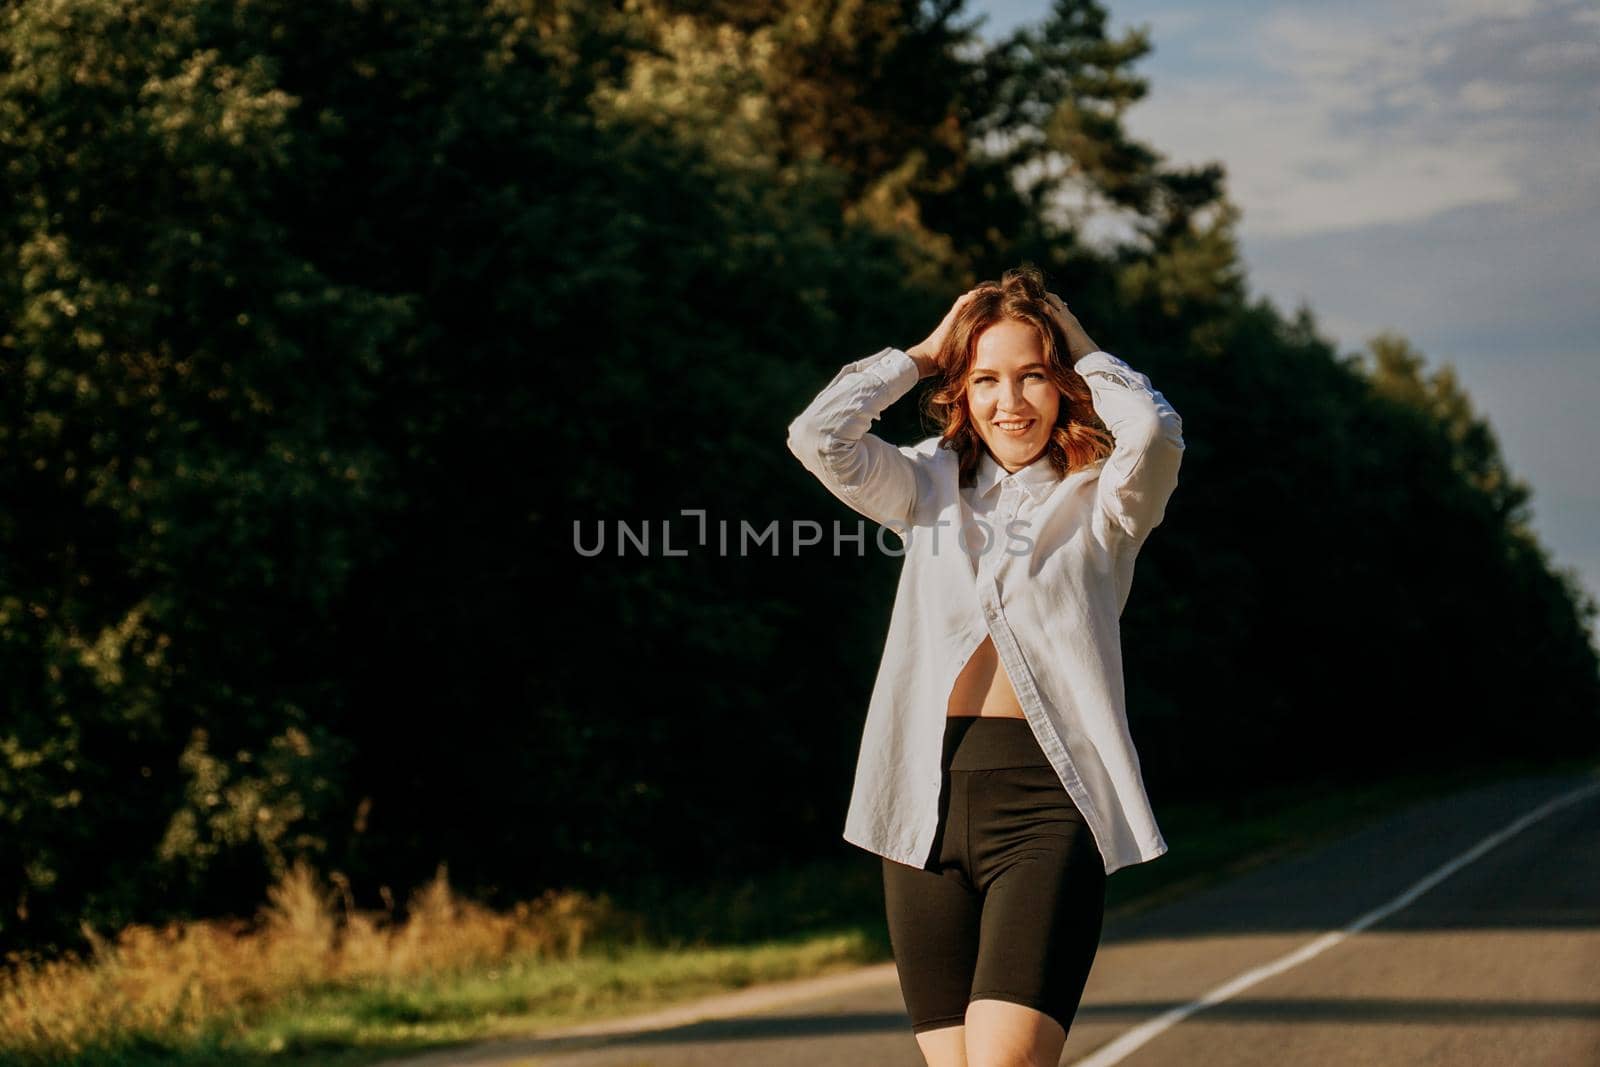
(991, 370)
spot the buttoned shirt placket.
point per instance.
(991, 566)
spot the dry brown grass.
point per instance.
(170, 982)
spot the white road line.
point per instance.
(1123, 1046)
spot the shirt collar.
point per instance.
(1037, 477)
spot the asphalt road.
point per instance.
(1463, 931)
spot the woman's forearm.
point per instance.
(831, 438)
(1079, 343)
(926, 364)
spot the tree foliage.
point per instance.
(322, 327)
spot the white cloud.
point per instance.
(1171, 21)
(1557, 54)
(1340, 121)
(1482, 95)
(1295, 174)
(1429, 168)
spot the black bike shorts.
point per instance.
(1010, 902)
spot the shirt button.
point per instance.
(993, 614)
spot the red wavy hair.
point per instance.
(1078, 439)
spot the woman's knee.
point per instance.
(1008, 1033)
(944, 1046)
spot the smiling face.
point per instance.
(1013, 402)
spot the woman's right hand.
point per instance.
(1079, 343)
(926, 353)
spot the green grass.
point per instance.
(371, 1021)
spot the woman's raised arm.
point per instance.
(830, 439)
(830, 436)
(1142, 471)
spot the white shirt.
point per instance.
(1049, 589)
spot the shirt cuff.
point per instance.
(1099, 360)
(896, 369)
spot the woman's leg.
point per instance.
(1042, 878)
(1040, 934)
(934, 921)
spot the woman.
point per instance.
(997, 778)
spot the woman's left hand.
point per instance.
(1079, 343)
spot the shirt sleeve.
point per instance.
(1142, 471)
(830, 438)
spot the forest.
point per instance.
(324, 327)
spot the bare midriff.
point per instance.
(983, 687)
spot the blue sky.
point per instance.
(1430, 167)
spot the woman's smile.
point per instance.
(1011, 398)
